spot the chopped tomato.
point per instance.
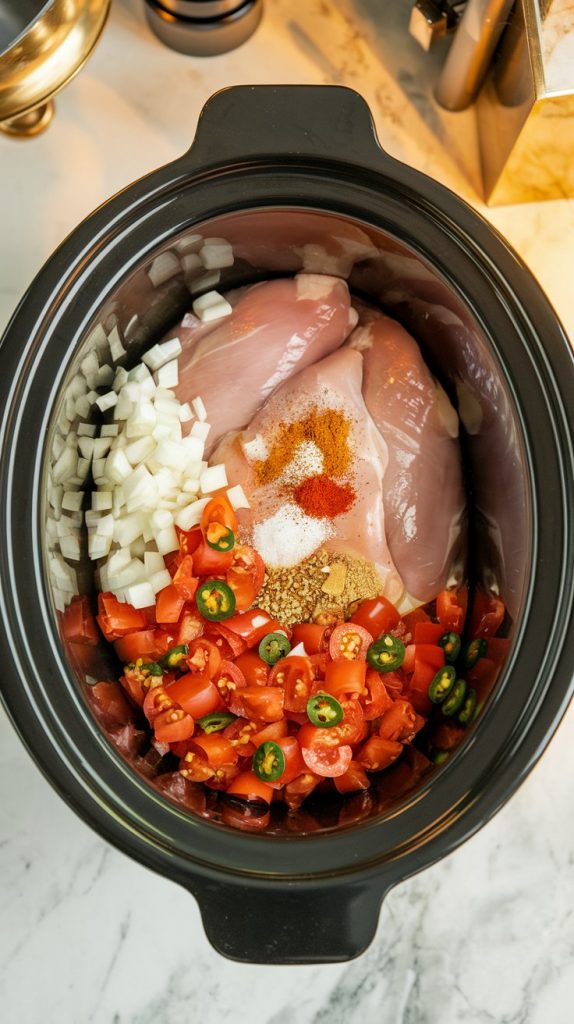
(133, 681)
(376, 615)
(319, 663)
(262, 702)
(117, 618)
(173, 726)
(487, 614)
(228, 680)
(428, 632)
(138, 645)
(294, 763)
(184, 581)
(79, 623)
(378, 699)
(196, 694)
(295, 674)
(313, 637)
(156, 701)
(249, 786)
(394, 683)
(229, 644)
(451, 609)
(252, 626)
(172, 560)
(350, 641)
(255, 670)
(203, 657)
(189, 628)
(195, 767)
(274, 731)
(217, 749)
(240, 734)
(296, 791)
(378, 753)
(189, 541)
(344, 678)
(329, 762)
(169, 605)
(209, 562)
(354, 779)
(219, 510)
(447, 736)
(246, 575)
(109, 703)
(399, 722)
(428, 659)
(497, 649)
(222, 776)
(352, 727)
(411, 621)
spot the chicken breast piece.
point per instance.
(276, 328)
(275, 524)
(423, 494)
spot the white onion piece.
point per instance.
(185, 413)
(216, 253)
(211, 306)
(205, 282)
(199, 409)
(213, 478)
(109, 430)
(101, 501)
(65, 466)
(167, 375)
(153, 562)
(117, 350)
(87, 430)
(163, 353)
(72, 500)
(164, 267)
(237, 497)
(160, 580)
(200, 429)
(166, 540)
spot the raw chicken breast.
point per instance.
(276, 329)
(423, 494)
(274, 523)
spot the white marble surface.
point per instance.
(484, 937)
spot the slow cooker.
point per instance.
(294, 177)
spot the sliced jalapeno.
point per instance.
(216, 721)
(440, 756)
(386, 654)
(442, 683)
(215, 600)
(152, 668)
(220, 537)
(450, 643)
(466, 714)
(324, 710)
(174, 656)
(268, 761)
(473, 651)
(454, 701)
(273, 647)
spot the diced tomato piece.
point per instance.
(378, 753)
(319, 664)
(203, 657)
(117, 618)
(451, 609)
(230, 645)
(209, 562)
(497, 649)
(169, 605)
(222, 776)
(195, 767)
(296, 791)
(487, 614)
(378, 699)
(294, 763)
(354, 779)
(255, 670)
(350, 642)
(399, 722)
(219, 510)
(344, 678)
(240, 734)
(428, 632)
(137, 645)
(196, 694)
(351, 729)
(156, 701)
(395, 684)
(411, 621)
(376, 615)
(189, 628)
(252, 626)
(250, 787)
(295, 674)
(109, 703)
(313, 637)
(447, 736)
(229, 680)
(173, 726)
(79, 623)
(217, 749)
(329, 762)
(273, 731)
(184, 580)
(262, 702)
(245, 575)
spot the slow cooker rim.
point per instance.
(75, 248)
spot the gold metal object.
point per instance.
(43, 59)
(525, 110)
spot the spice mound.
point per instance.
(325, 584)
(321, 497)
(328, 429)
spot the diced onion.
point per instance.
(213, 478)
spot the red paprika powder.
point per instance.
(322, 497)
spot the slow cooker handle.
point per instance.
(289, 121)
(289, 924)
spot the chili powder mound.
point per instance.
(321, 497)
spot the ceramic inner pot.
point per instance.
(290, 174)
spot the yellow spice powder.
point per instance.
(328, 429)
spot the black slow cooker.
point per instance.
(293, 176)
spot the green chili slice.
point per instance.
(466, 715)
(442, 683)
(386, 654)
(174, 656)
(216, 721)
(440, 756)
(450, 643)
(273, 647)
(324, 710)
(153, 668)
(220, 537)
(474, 650)
(215, 600)
(268, 761)
(455, 699)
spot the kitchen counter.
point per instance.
(483, 937)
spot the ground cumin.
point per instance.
(327, 428)
(321, 497)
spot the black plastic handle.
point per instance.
(289, 924)
(297, 121)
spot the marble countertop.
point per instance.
(484, 937)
